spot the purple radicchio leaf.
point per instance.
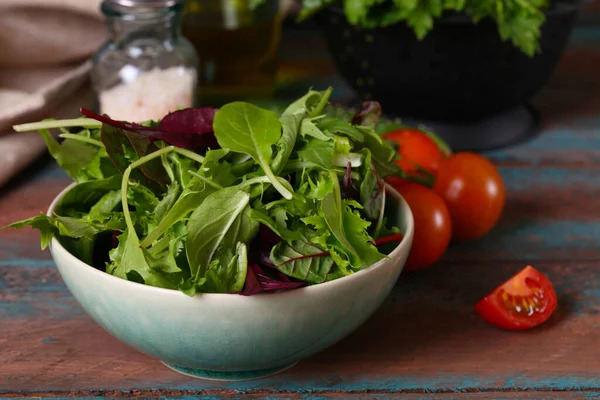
(369, 115)
(252, 285)
(263, 243)
(258, 280)
(190, 128)
(348, 190)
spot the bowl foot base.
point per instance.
(212, 375)
(497, 131)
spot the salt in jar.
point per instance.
(146, 68)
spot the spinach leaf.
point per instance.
(209, 224)
(245, 128)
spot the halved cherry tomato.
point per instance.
(432, 225)
(526, 300)
(416, 149)
(474, 192)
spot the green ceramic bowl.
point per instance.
(228, 336)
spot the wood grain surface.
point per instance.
(424, 342)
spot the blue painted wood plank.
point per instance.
(538, 395)
(426, 337)
(576, 141)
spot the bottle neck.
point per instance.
(125, 28)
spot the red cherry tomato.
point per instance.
(526, 300)
(416, 149)
(432, 225)
(474, 192)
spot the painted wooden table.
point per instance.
(425, 341)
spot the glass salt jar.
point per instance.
(146, 68)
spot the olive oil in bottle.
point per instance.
(237, 45)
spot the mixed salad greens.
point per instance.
(517, 20)
(229, 200)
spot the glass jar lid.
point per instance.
(139, 5)
(144, 3)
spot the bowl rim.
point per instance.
(406, 241)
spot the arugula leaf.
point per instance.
(290, 125)
(72, 156)
(85, 195)
(281, 230)
(77, 235)
(334, 126)
(104, 206)
(167, 202)
(128, 261)
(309, 128)
(209, 224)
(245, 128)
(355, 229)
(315, 185)
(317, 154)
(342, 230)
(142, 198)
(382, 154)
(197, 189)
(43, 223)
(227, 278)
(124, 147)
(371, 189)
(311, 104)
(153, 170)
(332, 212)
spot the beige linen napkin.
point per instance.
(46, 45)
